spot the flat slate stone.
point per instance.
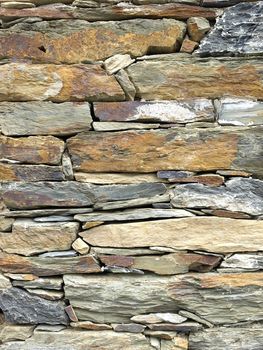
(241, 338)
(115, 178)
(238, 32)
(197, 233)
(125, 296)
(243, 195)
(53, 283)
(22, 307)
(44, 118)
(40, 266)
(29, 237)
(244, 261)
(72, 194)
(169, 77)
(44, 212)
(31, 150)
(76, 41)
(57, 83)
(243, 112)
(156, 111)
(196, 150)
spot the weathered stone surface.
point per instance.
(172, 77)
(6, 224)
(39, 283)
(233, 111)
(226, 213)
(196, 150)
(195, 317)
(115, 178)
(70, 194)
(158, 318)
(133, 214)
(240, 338)
(156, 111)
(54, 218)
(74, 339)
(123, 11)
(126, 84)
(115, 63)
(197, 28)
(238, 31)
(128, 327)
(4, 282)
(198, 233)
(185, 327)
(22, 307)
(77, 41)
(179, 342)
(57, 83)
(122, 251)
(90, 326)
(17, 4)
(91, 224)
(126, 296)
(10, 332)
(59, 254)
(46, 294)
(44, 212)
(32, 150)
(117, 126)
(48, 266)
(188, 46)
(80, 246)
(17, 172)
(171, 264)
(71, 313)
(205, 179)
(239, 194)
(44, 118)
(116, 260)
(244, 261)
(222, 3)
(29, 237)
(21, 276)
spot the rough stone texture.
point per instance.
(197, 28)
(51, 194)
(10, 332)
(239, 194)
(74, 339)
(126, 296)
(237, 32)
(42, 266)
(44, 212)
(115, 178)
(44, 118)
(240, 338)
(161, 111)
(239, 112)
(196, 150)
(36, 283)
(58, 39)
(172, 77)
(244, 261)
(158, 318)
(117, 126)
(115, 63)
(31, 150)
(21, 307)
(198, 233)
(6, 224)
(57, 83)
(29, 237)
(4, 282)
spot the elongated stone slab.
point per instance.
(74, 339)
(30, 173)
(32, 150)
(172, 77)
(44, 118)
(117, 126)
(29, 237)
(57, 83)
(197, 233)
(76, 41)
(115, 178)
(238, 31)
(244, 261)
(240, 338)
(196, 150)
(22, 307)
(48, 266)
(70, 194)
(10, 332)
(44, 212)
(123, 11)
(53, 283)
(126, 296)
(233, 111)
(156, 111)
(133, 214)
(239, 194)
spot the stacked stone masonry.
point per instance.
(131, 175)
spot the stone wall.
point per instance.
(131, 169)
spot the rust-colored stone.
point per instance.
(210, 180)
(57, 83)
(228, 214)
(116, 260)
(31, 150)
(188, 46)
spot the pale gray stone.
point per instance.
(128, 327)
(11, 332)
(117, 126)
(54, 283)
(21, 307)
(59, 254)
(244, 261)
(54, 218)
(239, 112)
(239, 194)
(4, 282)
(45, 212)
(195, 317)
(124, 251)
(238, 32)
(126, 84)
(115, 63)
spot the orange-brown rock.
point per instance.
(76, 41)
(39, 266)
(149, 151)
(227, 214)
(188, 46)
(57, 83)
(206, 179)
(31, 150)
(172, 77)
(17, 172)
